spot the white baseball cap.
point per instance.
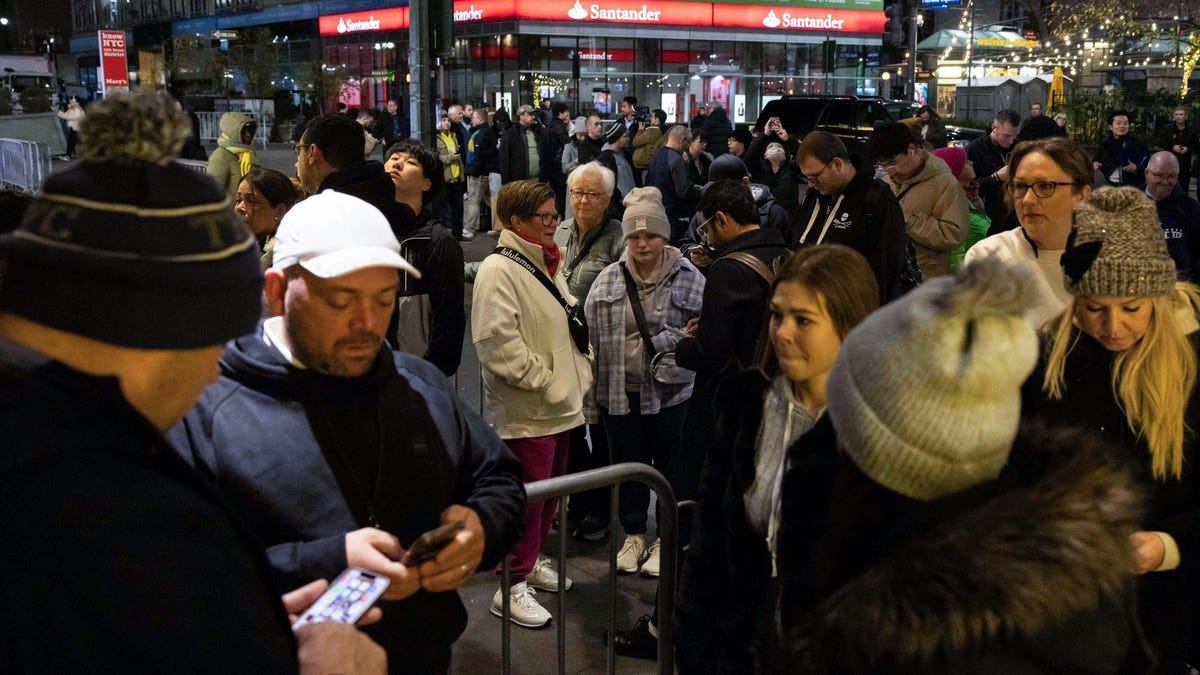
(332, 234)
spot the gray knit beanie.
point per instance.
(579, 126)
(644, 212)
(925, 393)
(1117, 248)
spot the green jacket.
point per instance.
(607, 249)
(977, 230)
(224, 164)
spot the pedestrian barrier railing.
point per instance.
(668, 529)
(210, 126)
(23, 164)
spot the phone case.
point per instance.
(346, 599)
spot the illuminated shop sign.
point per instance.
(802, 15)
(388, 18)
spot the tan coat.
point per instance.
(937, 214)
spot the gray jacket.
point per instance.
(607, 248)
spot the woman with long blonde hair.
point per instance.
(1122, 360)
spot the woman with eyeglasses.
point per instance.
(1121, 361)
(1048, 178)
(590, 241)
(534, 374)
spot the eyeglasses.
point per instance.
(702, 228)
(546, 218)
(1043, 189)
(589, 196)
(300, 146)
(1166, 176)
(816, 177)
(888, 167)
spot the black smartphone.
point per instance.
(426, 547)
(346, 599)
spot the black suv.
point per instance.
(850, 118)
(847, 117)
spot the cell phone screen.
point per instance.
(346, 599)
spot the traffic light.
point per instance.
(893, 29)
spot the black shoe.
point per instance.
(592, 529)
(637, 642)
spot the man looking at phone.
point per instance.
(341, 453)
(113, 308)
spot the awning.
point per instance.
(985, 40)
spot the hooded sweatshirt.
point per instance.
(232, 159)
(936, 213)
(304, 458)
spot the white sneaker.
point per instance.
(630, 554)
(468, 235)
(650, 567)
(523, 609)
(544, 577)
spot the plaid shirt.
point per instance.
(605, 311)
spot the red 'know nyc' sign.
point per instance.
(113, 67)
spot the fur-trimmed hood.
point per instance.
(1009, 563)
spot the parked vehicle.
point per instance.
(850, 118)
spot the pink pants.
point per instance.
(541, 457)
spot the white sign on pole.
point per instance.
(739, 107)
(668, 106)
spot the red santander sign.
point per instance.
(388, 18)
(114, 69)
(643, 12)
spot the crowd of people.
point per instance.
(937, 406)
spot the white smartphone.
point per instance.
(346, 599)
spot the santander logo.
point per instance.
(596, 11)
(771, 21)
(826, 22)
(370, 23)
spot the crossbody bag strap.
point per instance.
(581, 255)
(521, 260)
(639, 314)
(757, 266)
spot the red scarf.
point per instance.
(550, 254)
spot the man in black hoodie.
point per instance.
(850, 207)
(337, 451)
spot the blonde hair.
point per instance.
(1152, 381)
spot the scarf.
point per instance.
(972, 190)
(550, 254)
(244, 154)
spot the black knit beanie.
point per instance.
(130, 248)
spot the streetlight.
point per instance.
(3, 20)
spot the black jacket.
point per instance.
(1171, 136)
(868, 220)
(589, 150)
(557, 136)
(724, 623)
(669, 173)
(717, 126)
(487, 150)
(118, 557)
(287, 447)
(785, 184)
(1115, 153)
(1179, 215)
(1024, 574)
(514, 154)
(735, 302)
(432, 249)
(1167, 598)
(989, 158)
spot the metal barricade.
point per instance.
(210, 126)
(668, 523)
(23, 164)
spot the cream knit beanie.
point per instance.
(925, 393)
(644, 212)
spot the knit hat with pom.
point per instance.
(1117, 247)
(925, 393)
(130, 248)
